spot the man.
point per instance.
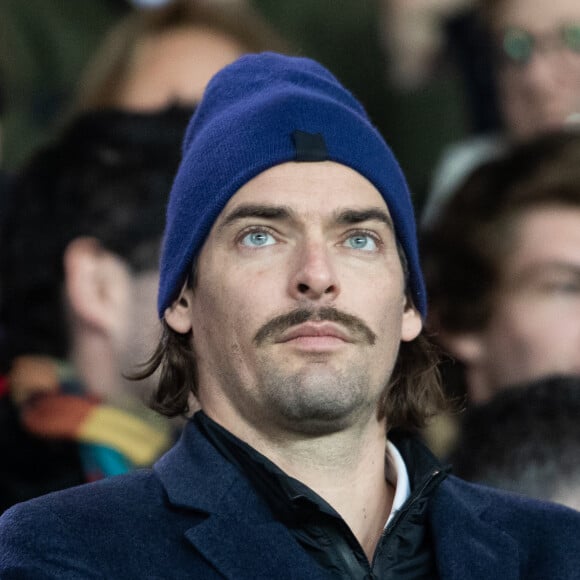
(503, 269)
(292, 303)
(526, 439)
(535, 46)
(79, 274)
(536, 69)
(538, 62)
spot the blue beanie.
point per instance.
(258, 112)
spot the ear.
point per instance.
(97, 284)
(178, 315)
(412, 323)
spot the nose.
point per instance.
(314, 274)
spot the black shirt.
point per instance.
(405, 549)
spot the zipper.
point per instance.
(428, 484)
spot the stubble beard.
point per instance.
(317, 401)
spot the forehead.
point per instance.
(309, 188)
(535, 15)
(558, 224)
(176, 65)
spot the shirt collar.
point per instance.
(397, 475)
(396, 472)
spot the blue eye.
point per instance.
(362, 242)
(257, 239)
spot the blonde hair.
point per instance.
(100, 85)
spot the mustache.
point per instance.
(357, 328)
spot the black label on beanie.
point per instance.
(309, 146)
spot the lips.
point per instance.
(315, 330)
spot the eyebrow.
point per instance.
(271, 212)
(280, 212)
(550, 267)
(354, 216)
(534, 271)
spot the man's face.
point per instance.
(535, 324)
(299, 306)
(542, 90)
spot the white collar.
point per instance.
(397, 475)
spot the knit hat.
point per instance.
(258, 112)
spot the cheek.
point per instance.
(530, 326)
(231, 308)
(382, 307)
(513, 103)
(533, 337)
(515, 318)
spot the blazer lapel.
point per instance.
(239, 536)
(243, 551)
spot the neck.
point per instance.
(96, 366)
(90, 357)
(345, 468)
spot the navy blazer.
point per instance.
(194, 515)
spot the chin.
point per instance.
(318, 424)
(319, 399)
(324, 412)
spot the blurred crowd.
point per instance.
(480, 100)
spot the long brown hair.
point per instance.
(413, 394)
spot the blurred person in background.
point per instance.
(526, 439)
(537, 50)
(156, 57)
(502, 265)
(79, 274)
(167, 54)
(533, 48)
(44, 46)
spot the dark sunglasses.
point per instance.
(518, 46)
